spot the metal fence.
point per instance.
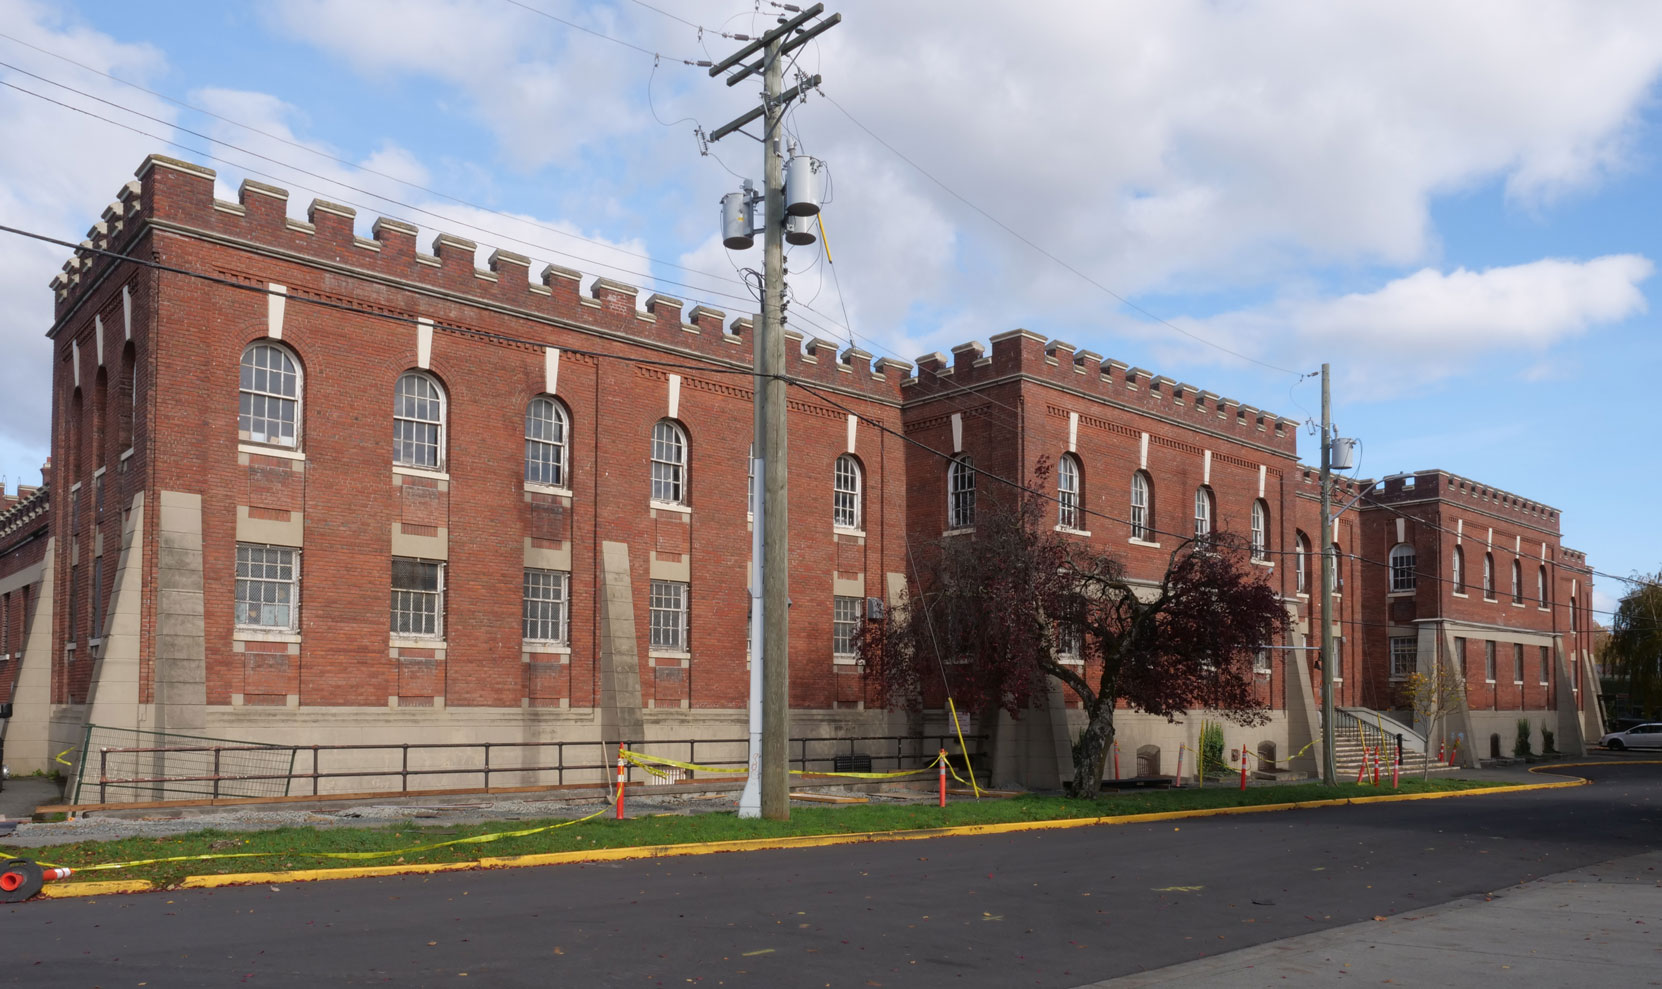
(217, 768)
(154, 765)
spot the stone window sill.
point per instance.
(437, 475)
(669, 506)
(1142, 542)
(262, 450)
(263, 635)
(547, 489)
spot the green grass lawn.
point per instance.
(307, 848)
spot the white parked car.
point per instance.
(1638, 737)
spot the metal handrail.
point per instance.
(923, 748)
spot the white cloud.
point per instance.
(57, 173)
(1431, 324)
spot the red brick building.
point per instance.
(341, 490)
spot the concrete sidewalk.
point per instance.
(1593, 926)
(20, 796)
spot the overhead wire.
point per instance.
(707, 367)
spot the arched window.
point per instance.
(127, 399)
(268, 409)
(1402, 567)
(1204, 505)
(1260, 530)
(1301, 563)
(72, 436)
(418, 422)
(546, 442)
(845, 493)
(669, 463)
(960, 484)
(1489, 576)
(1541, 586)
(100, 403)
(1142, 507)
(1067, 492)
(1457, 571)
(1517, 582)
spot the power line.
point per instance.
(441, 218)
(344, 307)
(508, 339)
(604, 37)
(356, 166)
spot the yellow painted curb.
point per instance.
(636, 852)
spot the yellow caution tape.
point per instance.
(478, 839)
(641, 759)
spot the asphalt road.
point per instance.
(1059, 908)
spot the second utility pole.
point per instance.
(1329, 772)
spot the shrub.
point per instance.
(1520, 748)
(1211, 749)
(1549, 742)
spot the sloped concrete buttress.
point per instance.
(620, 665)
(1034, 751)
(29, 733)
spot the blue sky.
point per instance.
(1455, 208)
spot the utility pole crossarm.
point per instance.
(766, 40)
(748, 116)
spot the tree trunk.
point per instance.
(1090, 753)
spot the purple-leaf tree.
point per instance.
(996, 612)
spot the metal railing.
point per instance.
(210, 777)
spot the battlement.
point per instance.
(1441, 484)
(1023, 352)
(1309, 480)
(27, 505)
(178, 194)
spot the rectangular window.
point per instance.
(417, 597)
(1404, 658)
(1338, 659)
(5, 625)
(96, 633)
(1070, 645)
(1489, 661)
(669, 616)
(1261, 661)
(547, 600)
(1517, 662)
(1460, 658)
(74, 604)
(1544, 664)
(268, 585)
(845, 625)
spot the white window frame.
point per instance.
(1301, 564)
(269, 397)
(1261, 661)
(1405, 650)
(1457, 565)
(1517, 663)
(847, 491)
(549, 610)
(1489, 670)
(403, 606)
(960, 493)
(1541, 587)
(1260, 531)
(1517, 583)
(1205, 512)
(1546, 664)
(1142, 507)
(845, 626)
(242, 577)
(409, 429)
(670, 467)
(669, 611)
(547, 442)
(1067, 492)
(1404, 564)
(1488, 576)
(1070, 643)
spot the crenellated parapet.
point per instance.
(1442, 484)
(178, 197)
(1023, 353)
(18, 511)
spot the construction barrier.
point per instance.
(941, 759)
